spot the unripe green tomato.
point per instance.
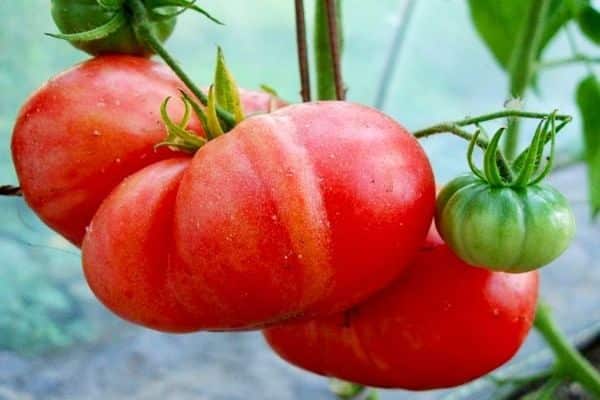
(75, 16)
(504, 228)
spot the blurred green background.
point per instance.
(47, 314)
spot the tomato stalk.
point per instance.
(570, 364)
(9, 190)
(329, 82)
(302, 50)
(575, 59)
(145, 33)
(456, 128)
(523, 64)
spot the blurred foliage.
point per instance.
(500, 26)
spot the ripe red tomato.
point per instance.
(304, 211)
(85, 130)
(443, 323)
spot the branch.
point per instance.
(9, 190)
(334, 48)
(302, 51)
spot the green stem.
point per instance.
(523, 65)
(510, 113)
(569, 362)
(455, 129)
(521, 380)
(10, 190)
(145, 32)
(576, 59)
(326, 88)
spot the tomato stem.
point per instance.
(9, 190)
(569, 362)
(456, 130)
(302, 50)
(523, 64)
(575, 59)
(145, 33)
(324, 60)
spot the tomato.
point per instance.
(75, 16)
(84, 131)
(304, 211)
(441, 324)
(513, 229)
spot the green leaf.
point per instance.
(498, 23)
(111, 5)
(588, 100)
(226, 90)
(212, 119)
(268, 89)
(589, 23)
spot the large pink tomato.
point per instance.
(301, 212)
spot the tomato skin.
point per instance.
(75, 16)
(85, 130)
(441, 324)
(138, 294)
(279, 217)
(505, 229)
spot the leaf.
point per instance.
(588, 101)
(589, 23)
(499, 23)
(226, 90)
(268, 89)
(212, 120)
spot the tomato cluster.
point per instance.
(309, 221)
(304, 211)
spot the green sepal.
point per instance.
(212, 119)
(226, 90)
(479, 173)
(186, 5)
(518, 162)
(160, 14)
(550, 161)
(114, 24)
(178, 137)
(199, 113)
(112, 5)
(490, 163)
(533, 155)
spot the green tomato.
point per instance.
(512, 229)
(76, 16)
